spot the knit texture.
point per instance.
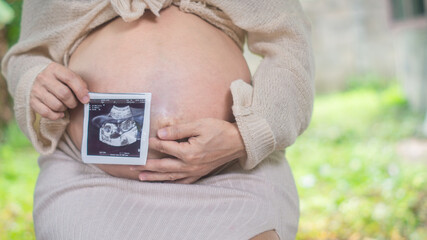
(74, 200)
(270, 113)
(77, 201)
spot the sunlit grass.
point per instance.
(352, 183)
(18, 173)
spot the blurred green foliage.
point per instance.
(10, 14)
(12, 29)
(351, 181)
(6, 13)
(18, 174)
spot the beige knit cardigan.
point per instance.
(270, 113)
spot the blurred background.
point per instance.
(361, 166)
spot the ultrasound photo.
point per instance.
(115, 128)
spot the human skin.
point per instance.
(187, 65)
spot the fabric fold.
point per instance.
(42, 131)
(242, 97)
(257, 135)
(131, 10)
(214, 16)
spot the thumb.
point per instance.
(179, 131)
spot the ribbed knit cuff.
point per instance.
(43, 133)
(258, 138)
(255, 131)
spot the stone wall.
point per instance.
(350, 38)
(411, 65)
(356, 38)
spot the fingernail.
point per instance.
(132, 168)
(162, 133)
(141, 177)
(85, 99)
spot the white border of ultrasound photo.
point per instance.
(126, 160)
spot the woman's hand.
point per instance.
(209, 144)
(55, 90)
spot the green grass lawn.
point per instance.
(18, 174)
(351, 182)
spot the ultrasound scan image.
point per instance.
(115, 127)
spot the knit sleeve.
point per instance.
(48, 29)
(44, 136)
(276, 108)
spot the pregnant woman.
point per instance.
(216, 167)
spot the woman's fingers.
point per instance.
(211, 144)
(177, 149)
(162, 169)
(161, 165)
(73, 81)
(155, 176)
(187, 180)
(45, 111)
(63, 93)
(52, 102)
(179, 131)
(56, 89)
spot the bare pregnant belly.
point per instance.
(186, 63)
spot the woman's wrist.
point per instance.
(241, 149)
